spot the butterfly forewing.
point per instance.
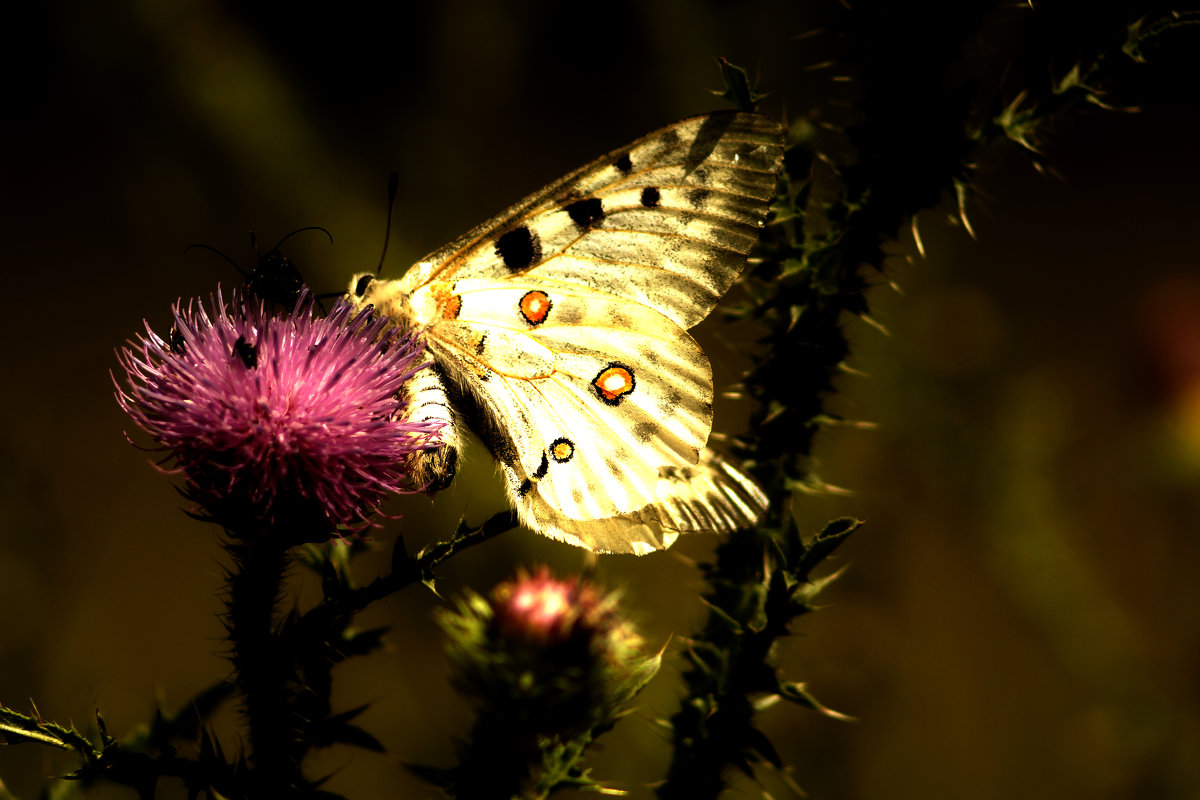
(666, 221)
(563, 320)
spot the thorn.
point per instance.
(895, 287)
(916, 230)
(774, 411)
(765, 702)
(876, 324)
(960, 189)
(849, 370)
(828, 421)
(790, 782)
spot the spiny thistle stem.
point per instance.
(264, 676)
(501, 765)
(287, 427)
(810, 278)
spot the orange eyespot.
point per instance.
(449, 303)
(561, 450)
(613, 383)
(535, 307)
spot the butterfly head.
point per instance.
(360, 286)
(384, 295)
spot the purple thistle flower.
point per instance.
(277, 422)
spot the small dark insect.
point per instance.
(176, 341)
(247, 352)
(275, 278)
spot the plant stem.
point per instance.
(264, 676)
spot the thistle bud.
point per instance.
(549, 662)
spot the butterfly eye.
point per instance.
(360, 288)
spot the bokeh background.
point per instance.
(1021, 614)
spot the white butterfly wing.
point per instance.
(564, 321)
(665, 222)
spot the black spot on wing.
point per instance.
(645, 431)
(624, 164)
(520, 248)
(670, 403)
(542, 469)
(697, 197)
(651, 197)
(525, 488)
(585, 213)
(562, 449)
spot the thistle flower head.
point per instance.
(550, 656)
(282, 422)
(541, 611)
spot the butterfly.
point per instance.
(558, 330)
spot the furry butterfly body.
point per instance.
(559, 329)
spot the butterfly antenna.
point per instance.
(302, 230)
(393, 185)
(236, 266)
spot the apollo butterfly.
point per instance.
(561, 324)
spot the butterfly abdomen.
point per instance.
(432, 470)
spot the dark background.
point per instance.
(1021, 614)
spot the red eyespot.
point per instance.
(535, 307)
(613, 383)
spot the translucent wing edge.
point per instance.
(427, 268)
(711, 497)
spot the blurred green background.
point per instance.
(1021, 614)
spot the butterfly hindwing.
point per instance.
(563, 321)
(622, 385)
